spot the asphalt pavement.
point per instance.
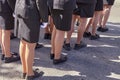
(100, 60)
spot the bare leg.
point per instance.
(3, 52)
(88, 25)
(22, 50)
(95, 21)
(106, 15)
(101, 16)
(29, 57)
(81, 30)
(69, 33)
(53, 40)
(6, 42)
(59, 39)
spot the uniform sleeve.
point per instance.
(43, 9)
(12, 4)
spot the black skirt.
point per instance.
(27, 29)
(7, 22)
(62, 18)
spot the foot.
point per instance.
(13, 58)
(38, 46)
(13, 53)
(23, 75)
(36, 75)
(94, 37)
(86, 34)
(61, 60)
(101, 29)
(67, 46)
(79, 46)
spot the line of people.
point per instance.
(60, 17)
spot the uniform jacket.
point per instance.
(32, 9)
(12, 4)
(5, 8)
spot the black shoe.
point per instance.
(101, 29)
(38, 46)
(13, 58)
(79, 46)
(13, 53)
(86, 34)
(47, 36)
(67, 46)
(94, 37)
(23, 75)
(52, 55)
(2, 57)
(12, 36)
(36, 75)
(61, 60)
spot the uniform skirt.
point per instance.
(62, 18)
(99, 5)
(27, 29)
(84, 10)
(7, 22)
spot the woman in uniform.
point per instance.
(61, 12)
(94, 21)
(105, 15)
(85, 10)
(6, 25)
(29, 13)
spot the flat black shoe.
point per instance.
(13, 58)
(23, 75)
(38, 46)
(86, 34)
(13, 53)
(94, 37)
(79, 46)
(36, 75)
(61, 60)
(101, 29)
(67, 46)
(47, 36)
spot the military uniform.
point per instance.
(27, 20)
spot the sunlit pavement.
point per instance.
(100, 60)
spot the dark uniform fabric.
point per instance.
(12, 3)
(86, 1)
(110, 2)
(85, 8)
(27, 27)
(6, 14)
(99, 5)
(61, 12)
